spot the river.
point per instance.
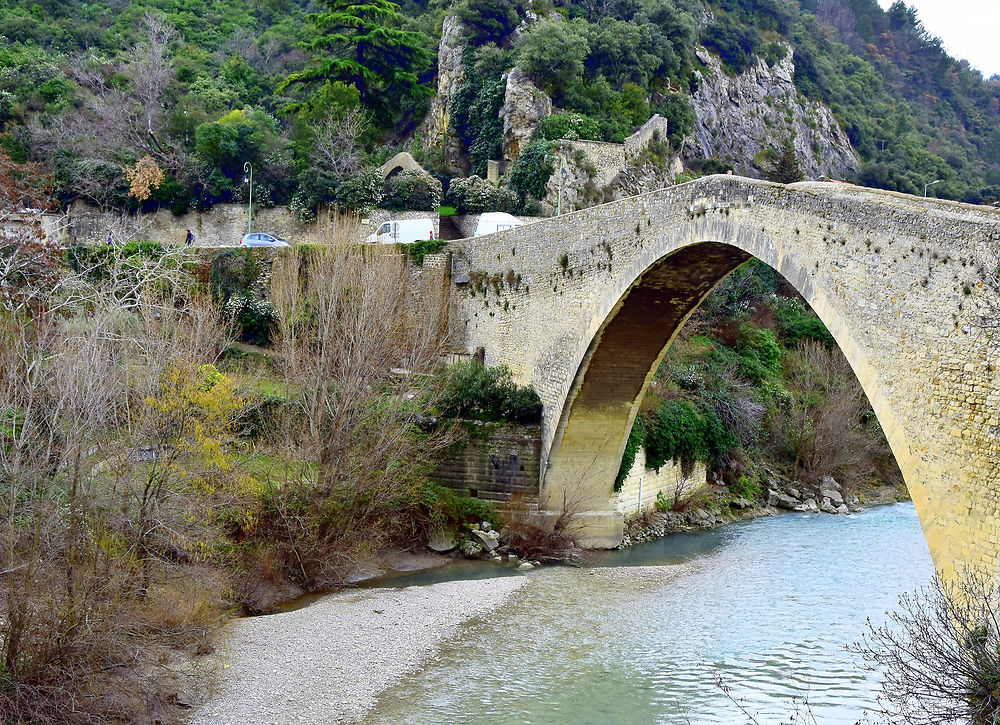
(767, 605)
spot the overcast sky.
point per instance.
(969, 29)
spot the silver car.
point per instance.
(258, 239)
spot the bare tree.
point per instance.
(939, 655)
(823, 428)
(115, 118)
(357, 358)
(336, 142)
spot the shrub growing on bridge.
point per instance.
(488, 393)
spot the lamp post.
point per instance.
(930, 183)
(562, 175)
(248, 169)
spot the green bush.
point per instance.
(360, 192)
(680, 432)
(798, 322)
(745, 487)
(759, 353)
(412, 190)
(636, 438)
(532, 170)
(452, 511)
(253, 317)
(485, 393)
(736, 44)
(474, 195)
(570, 126)
(418, 249)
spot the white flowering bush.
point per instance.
(253, 316)
(474, 195)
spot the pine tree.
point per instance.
(784, 168)
(361, 44)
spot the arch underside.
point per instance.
(618, 368)
(621, 362)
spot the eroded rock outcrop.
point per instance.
(524, 107)
(738, 117)
(436, 128)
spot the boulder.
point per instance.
(471, 549)
(830, 482)
(772, 497)
(833, 495)
(810, 503)
(525, 566)
(488, 540)
(784, 501)
(795, 493)
(740, 503)
(441, 540)
(842, 509)
(827, 507)
(486, 526)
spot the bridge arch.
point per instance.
(594, 299)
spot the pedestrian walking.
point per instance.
(190, 238)
(110, 242)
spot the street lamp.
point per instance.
(248, 169)
(931, 183)
(562, 175)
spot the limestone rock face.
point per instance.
(436, 128)
(738, 117)
(524, 107)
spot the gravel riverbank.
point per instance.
(328, 662)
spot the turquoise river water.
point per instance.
(767, 605)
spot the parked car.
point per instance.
(496, 221)
(402, 231)
(258, 239)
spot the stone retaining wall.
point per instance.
(221, 226)
(499, 465)
(642, 485)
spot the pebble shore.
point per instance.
(328, 662)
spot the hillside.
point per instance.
(314, 100)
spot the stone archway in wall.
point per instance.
(621, 361)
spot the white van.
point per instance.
(402, 231)
(495, 221)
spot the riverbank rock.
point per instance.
(471, 549)
(441, 541)
(489, 540)
(833, 495)
(830, 483)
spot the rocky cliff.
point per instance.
(436, 128)
(739, 117)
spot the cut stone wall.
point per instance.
(500, 464)
(642, 485)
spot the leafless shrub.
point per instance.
(823, 426)
(357, 357)
(87, 597)
(336, 142)
(538, 538)
(939, 654)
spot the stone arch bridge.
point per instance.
(584, 306)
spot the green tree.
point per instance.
(359, 44)
(552, 54)
(784, 168)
